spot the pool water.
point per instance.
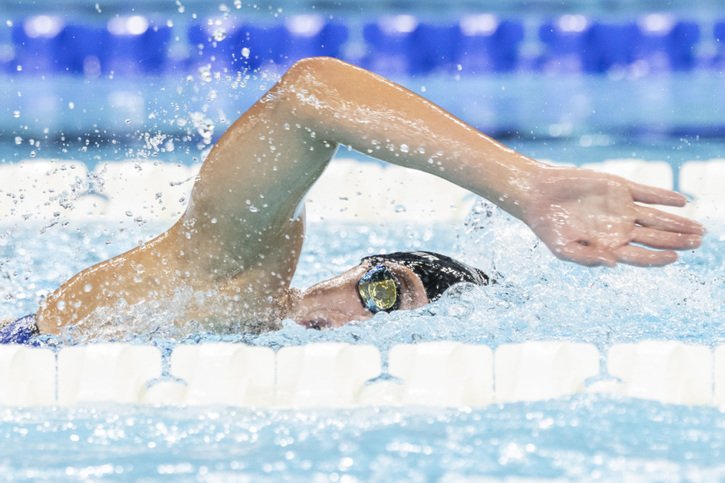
(585, 437)
(581, 438)
(575, 119)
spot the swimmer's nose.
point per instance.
(319, 309)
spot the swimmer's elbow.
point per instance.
(307, 85)
(313, 68)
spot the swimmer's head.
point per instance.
(382, 283)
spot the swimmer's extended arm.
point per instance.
(257, 175)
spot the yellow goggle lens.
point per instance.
(378, 289)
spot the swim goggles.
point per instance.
(379, 290)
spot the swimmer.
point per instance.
(239, 261)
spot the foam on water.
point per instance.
(540, 297)
(537, 297)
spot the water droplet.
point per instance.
(404, 148)
(87, 288)
(205, 73)
(219, 34)
(16, 114)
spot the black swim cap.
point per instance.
(437, 272)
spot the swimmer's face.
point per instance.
(337, 301)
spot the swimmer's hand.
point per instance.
(599, 219)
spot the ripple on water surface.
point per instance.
(585, 437)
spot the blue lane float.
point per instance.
(666, 43)
(228, 47)
(719, 58)
(656, 43)
(392, 45)
(125, 46)
(477, 44)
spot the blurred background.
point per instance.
(572, 81)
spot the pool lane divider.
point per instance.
(136, 191)
(136, 45)
(339, 375)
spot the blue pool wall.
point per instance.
(393, 44)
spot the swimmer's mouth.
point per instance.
(317, 324)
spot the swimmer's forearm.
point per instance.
(351, 106)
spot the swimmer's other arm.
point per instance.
(582, 216)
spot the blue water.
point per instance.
(581, 438)
(675, 116)
(573, 119)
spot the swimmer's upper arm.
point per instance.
(246, 202)
(262, 167)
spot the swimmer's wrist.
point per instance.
(516, 191)
(538, 191)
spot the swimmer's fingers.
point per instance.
(593, 256)
(665, 239)
(659, 220)
(585, 254)
(656, 196)
(642, 257)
